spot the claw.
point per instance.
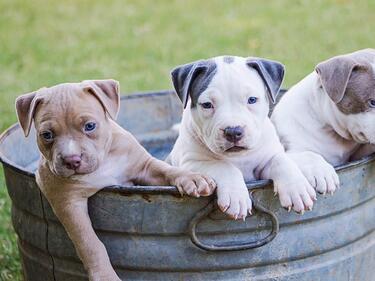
(275, 193)
(302, 212)
(224, 209)
(289, 209)
(181, 191)
(310, 208)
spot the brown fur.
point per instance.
(349, 80)
(110, 155)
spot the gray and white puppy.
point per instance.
(226, 133)
(328, 118)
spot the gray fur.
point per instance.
(190, 80)
(349, 80)
(272, 73)
(228, 59)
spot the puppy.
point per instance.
(328, 117)
(226, 133)
(83, 150)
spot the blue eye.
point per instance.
(47, 135)
(207, 105)
(371, 103)
(90, 126)
(252, 100)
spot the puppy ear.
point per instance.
(107, 92)
(183, 77)
(272, 73)
(334, 75)
(25, 108)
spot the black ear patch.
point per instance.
(192, 79)
(272, 73)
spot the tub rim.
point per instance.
(156, 190)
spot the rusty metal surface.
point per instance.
(145, 229)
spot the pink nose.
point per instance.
(72, 162)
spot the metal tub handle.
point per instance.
(232, 245)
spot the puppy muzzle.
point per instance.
(69, 165)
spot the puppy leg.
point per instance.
(151, 171)
(293, 188)
(232, 194)
(156, 172)
(74, 216)
(320, 174)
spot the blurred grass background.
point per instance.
(137, 42)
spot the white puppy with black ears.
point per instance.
(226, 133)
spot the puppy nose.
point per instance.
(72, 162)
(233, 134)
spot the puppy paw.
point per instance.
(319, 173)
(235, 203)
(322, 177)
(297, 195)
(195, 184)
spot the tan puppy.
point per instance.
(83, 150)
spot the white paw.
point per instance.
(322, 176)
(236, 203)
(298, 195)
(195, 184)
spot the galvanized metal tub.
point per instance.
(147, 230)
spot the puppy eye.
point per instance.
(252, 100)
(372, 103)
(47, 135)
(207, 105)
(90, 126)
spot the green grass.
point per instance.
(137, 42)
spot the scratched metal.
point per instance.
(145, 229)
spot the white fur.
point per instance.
(201, 145)
(314, 131)
(73, 148)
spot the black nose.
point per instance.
(233, 134)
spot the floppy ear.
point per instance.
(184, 75)
(272, 73)
(25, 108)
(107, 92)
(334, 75)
